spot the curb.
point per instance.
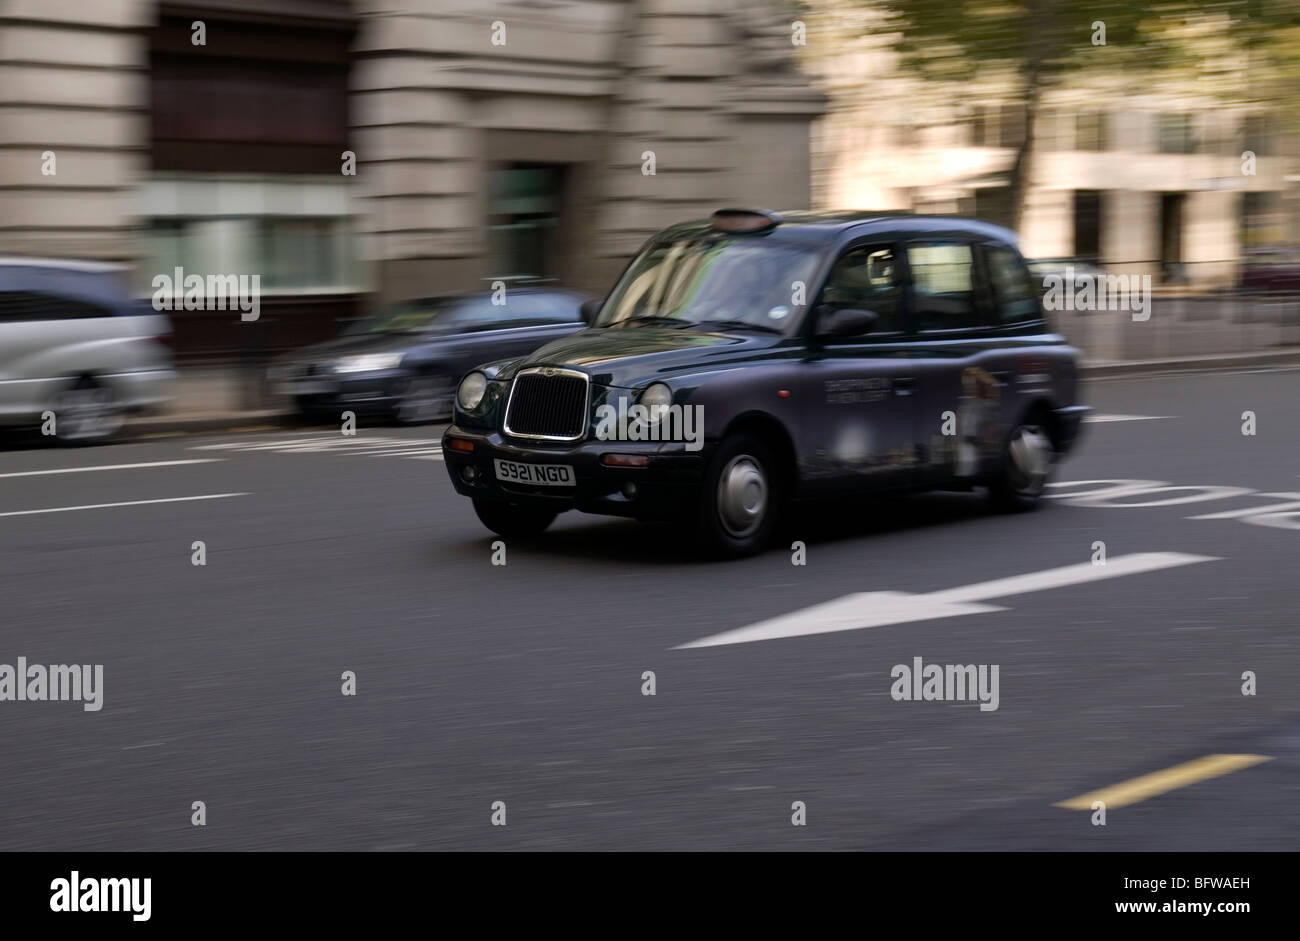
(1142, 367)
(234, 421)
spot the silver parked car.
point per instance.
(73, 342)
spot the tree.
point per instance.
(1035, 44)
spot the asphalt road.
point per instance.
(522, 683)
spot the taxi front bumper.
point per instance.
(641, 479)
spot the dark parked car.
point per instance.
(1270, 271)
(406, 361)
(751, 360)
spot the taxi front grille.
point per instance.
(548, 404)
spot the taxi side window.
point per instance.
(943, 287)
(1014, 290)
(866, 278)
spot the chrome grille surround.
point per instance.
(544, 404)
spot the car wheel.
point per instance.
(425, 399)
(513, 519)
(87, 412)
(312, 413)
(740, 498)
(1023, 467)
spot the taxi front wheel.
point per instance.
(739, 499)
(513, 519)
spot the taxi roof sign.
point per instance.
(745, 220)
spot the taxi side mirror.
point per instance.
(845, 322)
(589, 309)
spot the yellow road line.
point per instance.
(1158, 782)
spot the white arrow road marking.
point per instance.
(850, 613)
(109, 467)
(100, 506)
(881, 608)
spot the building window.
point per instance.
(1090, 131)
(1011, 125)
(992, 203)
(298, 253)
(523, 219)
(1087, 226)
(169, 244)
(1258, 136)
(906, 135)
(290, 255)
(1172, 270)
(1048, 135)
(1262, 221)
(980, 135)
(1176, 134)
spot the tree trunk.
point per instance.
(1041, 45)
(1020, 170)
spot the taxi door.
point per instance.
(858, 402)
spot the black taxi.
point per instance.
(751, 360)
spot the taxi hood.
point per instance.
(630, 356)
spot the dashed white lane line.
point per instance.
(1109, 418)
(101, 506)
(881, 608)
(111, 467)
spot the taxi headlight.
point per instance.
(471, 391)
(656, 398)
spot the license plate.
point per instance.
(547, 475)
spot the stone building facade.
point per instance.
(487, 139)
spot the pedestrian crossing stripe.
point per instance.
(428, 449)
(1109, 418)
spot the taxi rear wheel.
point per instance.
(513, 519)
(1024, 467)
(739, 499)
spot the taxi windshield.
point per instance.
(739, 281)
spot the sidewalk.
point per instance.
(217, 398)
(213, 398)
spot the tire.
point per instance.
(1024, 466)
(87, 412)
(426, 398)
(312, 414)
(740, 499)
(513, 520)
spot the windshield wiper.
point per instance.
(739, 325)
(655, 319)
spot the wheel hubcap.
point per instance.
(742, 495)
(426, 399)
(87, 412)
(1031, 456)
